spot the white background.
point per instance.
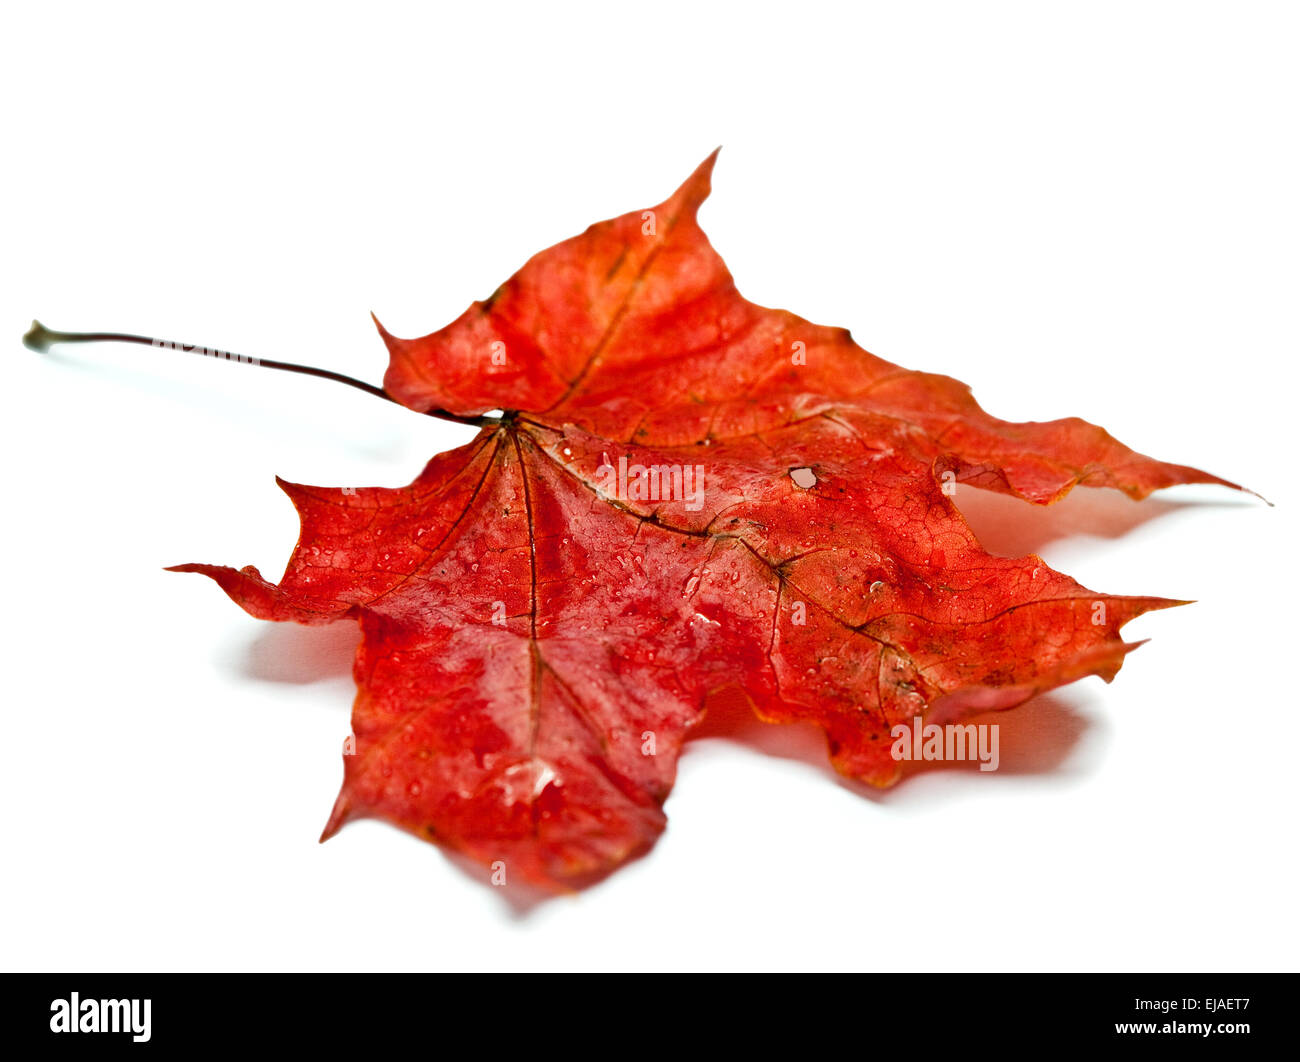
(1081, 209)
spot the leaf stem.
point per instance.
(40, 339)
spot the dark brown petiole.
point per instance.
(40, 339)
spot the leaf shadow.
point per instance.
(296, 655)
(1007, 526)
(1035, 738)
(250, 408)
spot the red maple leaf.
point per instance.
(686, 493)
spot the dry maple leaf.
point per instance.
(686, 493)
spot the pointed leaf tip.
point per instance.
(696, 188)
(391, 342)
(339, 815)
